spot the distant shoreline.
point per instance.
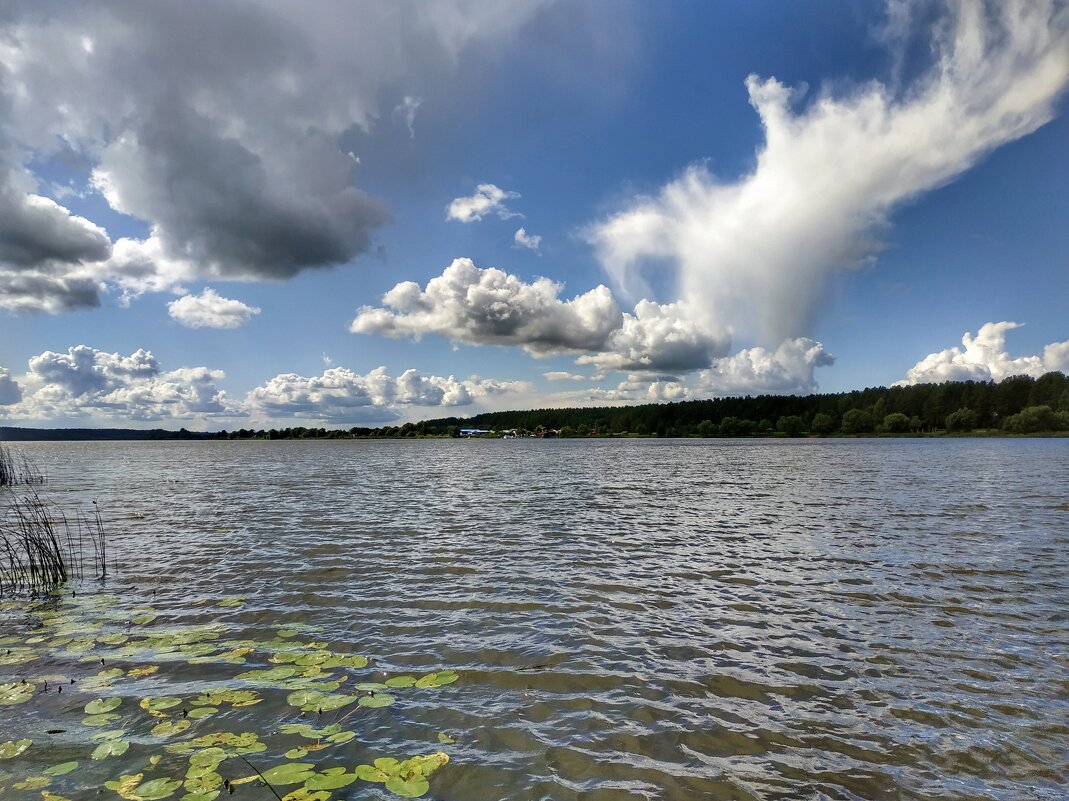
(15, 434)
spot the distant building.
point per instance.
(473, 432)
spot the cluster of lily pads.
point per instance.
(113, 660)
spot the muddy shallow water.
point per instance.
(844, 619)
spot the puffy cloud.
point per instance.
(636, 389)
(660, 338)
(526, 240)
(758, 250)
(487, 306)
(563, 375)
(487, 199)
(340, 395)
(220, 126)
(86, 382)
(756, 371)
(492, 307)
(984, 358)
(10, 391)
(210, 310)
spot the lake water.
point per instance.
(645, 619)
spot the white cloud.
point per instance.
(10, 391)
(210, 310)
(758, 250)
(756, 371)
(984, 358)
(526, 240)
(491, 307)
(562, 375)
(487, 306)
(636, 389)
(487, 199)
(340, 395)
(407, 110)
(660, 338)
(88, 383)
(232, 159)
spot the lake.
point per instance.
(629, 620)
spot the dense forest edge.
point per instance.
(1018, 405)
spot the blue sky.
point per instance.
(207, 229)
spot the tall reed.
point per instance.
(17, 468)
(40, 547)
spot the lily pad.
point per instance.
(62, 769)
(155, 789)
(12, 749)
(378, 700)
(289, 773)
(102, 705)
(169, 728)
(16, 693)
(111, 748)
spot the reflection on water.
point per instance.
(864, 619)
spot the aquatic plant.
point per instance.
(17, 468)
(40, 547)
(150, 739)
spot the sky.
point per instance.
(262, 214)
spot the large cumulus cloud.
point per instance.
(758, 250)
(84, 382)
(218, 124)
(341, 395)
(487, 306)
(983, 357)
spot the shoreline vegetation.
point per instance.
(1016, 406)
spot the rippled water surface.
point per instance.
(862, 619)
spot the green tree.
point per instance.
(707, 428)
(895, 423)
(1031, 420)
(791, 424)
(964, 419)
(822, 424)
(857, 421)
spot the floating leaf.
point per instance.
(371, 774)
(10, 750)
(201, 712)
(148, 670)
(378, 700)
(102, 705)
(401, 682)
(304, 794)
(169, 728)
(412, 787)
(330, 779)
(438, 679)
(62, 769)
(16, 693)
(155, 705)
(32, 783)
(100, 720)
(445, 739)
(230, 603)
(155, 789)
(289, 773)
(111, 748)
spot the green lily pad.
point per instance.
(230, 603)
(32, 783)
(445, 739)
(111, 748)
(102, 705)
(100, 720)
(62, 769)
(16, 693)
(169, 728)
(377, 701)
(155, 789)
(202, 712)
(289, 773)
(12, 749)
(159, 704)
(401, 682)
(330, 780)
(371, 774)
(410, 788)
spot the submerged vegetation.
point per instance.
(134, 734)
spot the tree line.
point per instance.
(1016, 405)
